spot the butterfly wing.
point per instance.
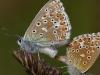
(50, 26)
(84, 50)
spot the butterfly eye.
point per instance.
(19, 40)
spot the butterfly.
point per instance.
(50, 28)
(81, 53)
(35, 66)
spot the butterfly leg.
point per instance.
(49, 51)
(62, 67)
(39, 56)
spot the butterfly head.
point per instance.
(19, 41)
(28, 46)
(24, 44)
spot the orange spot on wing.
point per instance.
(49, 24)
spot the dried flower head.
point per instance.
(34, 65)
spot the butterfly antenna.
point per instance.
(5, 32)
(18, 36)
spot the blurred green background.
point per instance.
(16, 15)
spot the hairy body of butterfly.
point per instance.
(34, 65)
(50, 28)
(81, 53)
(34, 47)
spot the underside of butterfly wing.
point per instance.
(50, 26)
(83, 51)
(74, 71)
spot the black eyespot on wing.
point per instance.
(34, 31)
